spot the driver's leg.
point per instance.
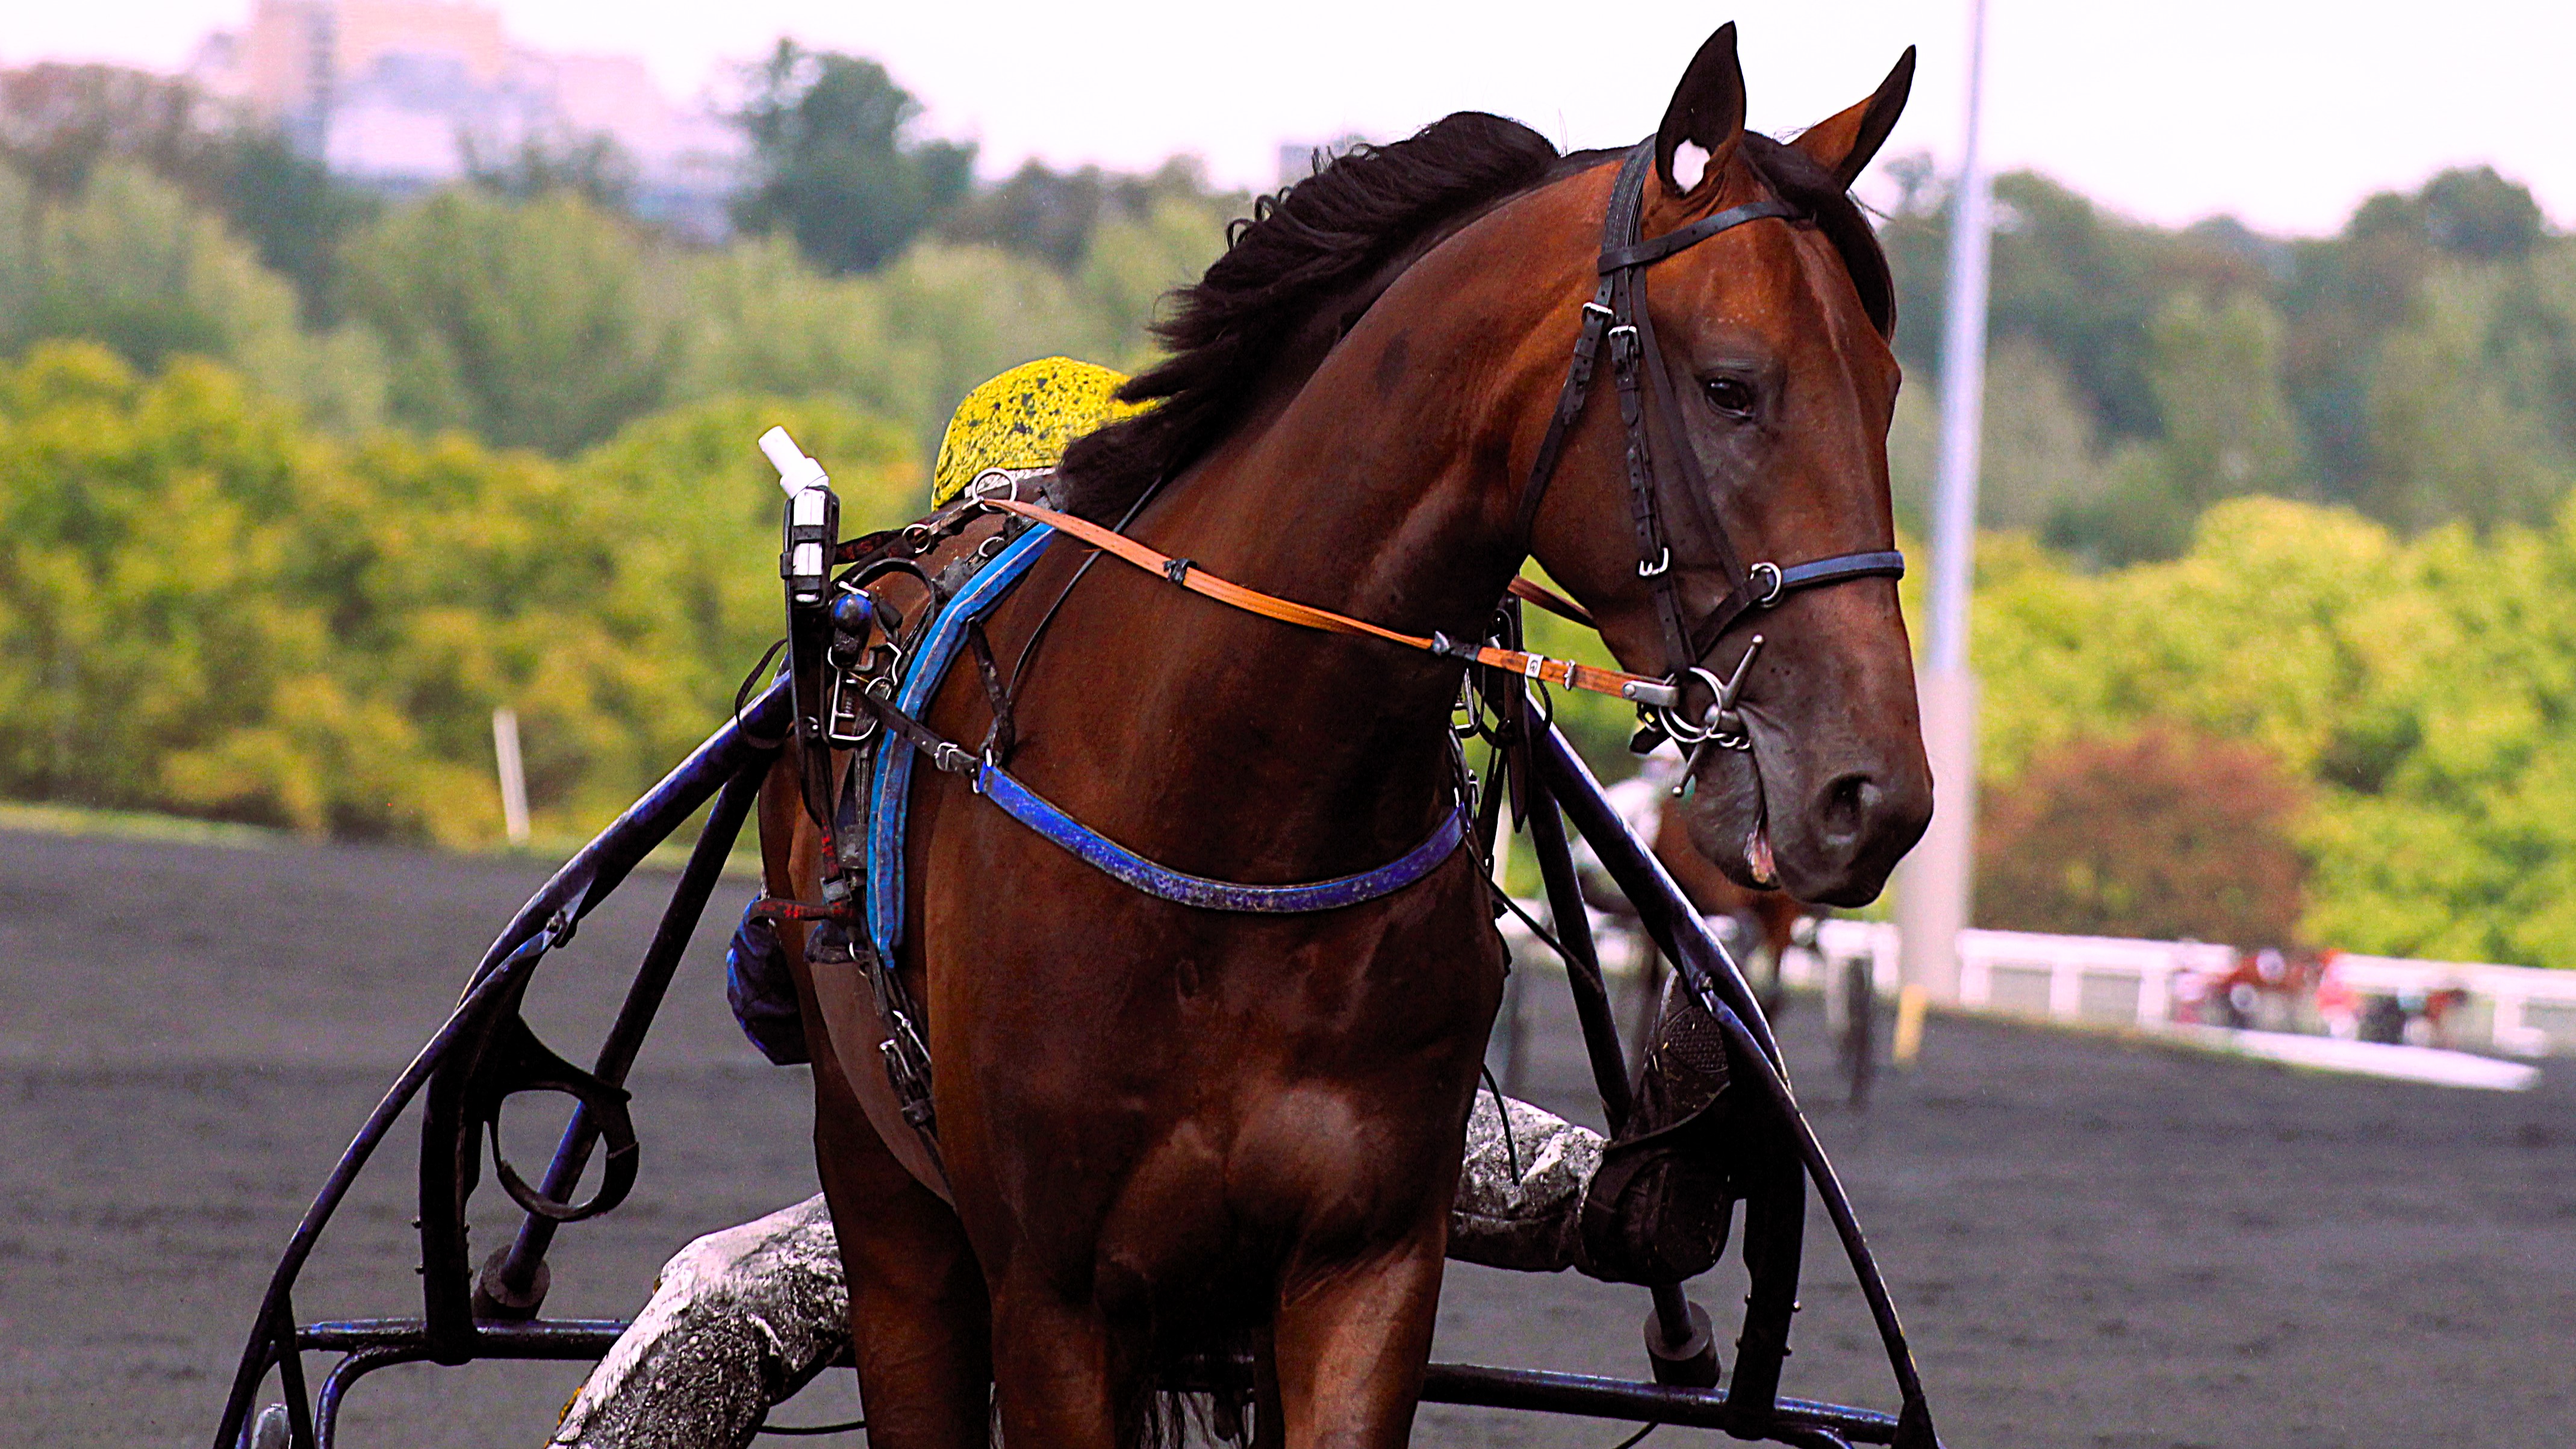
(1541, 1194)
(739, 1320)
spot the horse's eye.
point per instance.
(1730, 395)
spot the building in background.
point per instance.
(410, 92)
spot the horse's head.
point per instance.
(1768, 435)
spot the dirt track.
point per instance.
(2095, 1243)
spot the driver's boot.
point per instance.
(1657, 1210)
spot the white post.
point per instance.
(514, 774)
(1934, 890)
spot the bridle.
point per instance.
(1618, 314)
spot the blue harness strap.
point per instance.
(1093, 848)
(891, 794)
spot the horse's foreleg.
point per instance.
(920, 1325)
(1059, 1381)
(1350, 1345)
(919, 1320)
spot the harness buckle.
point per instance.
(1595, 309)
(1623, 342)
(1770, 596)
(1663, 564)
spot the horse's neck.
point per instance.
(1362, 496)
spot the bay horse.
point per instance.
(1165, 1127)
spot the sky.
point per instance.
(2283, 113)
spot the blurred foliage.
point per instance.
(596, 169)
(836, 164)
(2163, 834)
(60, 123)
(2423, 693)
(205, 605)
(544, 325)
(528, 307)
(126, 261)
(2419, 367)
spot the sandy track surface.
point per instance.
(2095, 1243)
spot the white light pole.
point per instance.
(1933, 890)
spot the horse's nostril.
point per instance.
(1847, 804)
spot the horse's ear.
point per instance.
(1843, 143)
(1707, 110)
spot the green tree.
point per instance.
(835, 161)
(762, 320)
(2080, 283)
(60, 123)
(1133, 261)
(2422, 690)
(147, 637)
(206, 606)
(2226, 430)
(547, 325)
(2216, 373)
(978, 310)
(126, 261)
(2459, 427)
(594, 168)
(1056, 216)
(691, 512)
(2344, 295)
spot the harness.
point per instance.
(865, 692)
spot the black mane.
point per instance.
(1333, 232)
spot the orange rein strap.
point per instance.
(1635, 688)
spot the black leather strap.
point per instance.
(1569, 406)
(1885, 563)
(1649, 406)
(1766, 584)
(1683, 238)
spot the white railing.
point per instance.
(2524, 1011)
(2110, 981)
